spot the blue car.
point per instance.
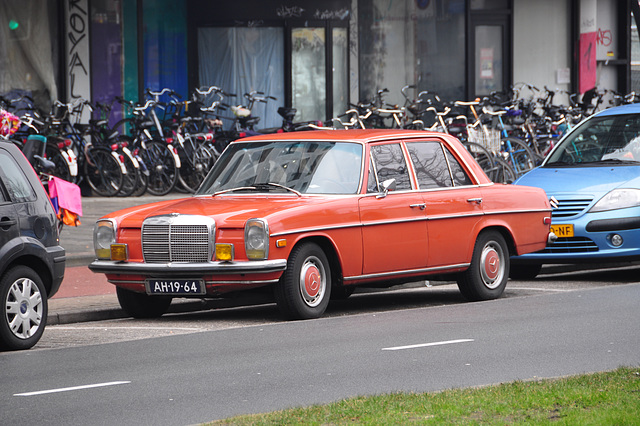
(592, 178)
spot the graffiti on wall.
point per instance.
(77, 49)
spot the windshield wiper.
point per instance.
(265, 186)
(615, 161)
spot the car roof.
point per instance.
(350, 135)
(619, 110)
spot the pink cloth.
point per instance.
(68, 194)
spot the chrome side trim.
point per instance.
(157, 269)
(207, 282)
(407, 272)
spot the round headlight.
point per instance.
(256, 239)
(104, 234)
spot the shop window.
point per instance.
(308, 73)
(241, 60)
(29, 50)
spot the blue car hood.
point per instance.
(593, 180)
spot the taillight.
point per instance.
(114, 147)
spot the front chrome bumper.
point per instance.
(177, 268)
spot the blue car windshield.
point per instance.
(304, 167)
(606, 140)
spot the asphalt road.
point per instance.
(200, 376)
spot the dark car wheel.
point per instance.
(140, 305)
(524, 272)
(487, 275)
(305, 287)
(23, 309)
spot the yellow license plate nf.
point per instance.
(562, 231)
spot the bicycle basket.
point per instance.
(489, 139)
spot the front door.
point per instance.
(394, 234)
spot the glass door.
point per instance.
(490, 57)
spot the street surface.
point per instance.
(195, 367)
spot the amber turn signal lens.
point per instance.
(224, 252)
(119, 252)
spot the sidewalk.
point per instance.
(83, 295)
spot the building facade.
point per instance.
(318, 57)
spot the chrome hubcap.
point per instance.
(24, 308)
(313, 282)
(492, 265)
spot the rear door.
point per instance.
(453, 205)
(9, 220)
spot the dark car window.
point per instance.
(430, 165)
(390, 164)
(14, 180)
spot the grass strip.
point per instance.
(608, 398)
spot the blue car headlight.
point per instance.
(618, 199)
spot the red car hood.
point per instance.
(228, 211)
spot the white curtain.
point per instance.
(240, 60)
(27, 49)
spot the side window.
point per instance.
(460, 177)
(430, 165)
(390, 164)
(14, 179)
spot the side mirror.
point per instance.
(387, 185)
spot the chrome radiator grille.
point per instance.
(178, 238)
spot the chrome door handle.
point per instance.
(421, 206)
(475, 200)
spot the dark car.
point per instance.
(31, 259)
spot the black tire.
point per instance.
(140, 305)
(195, 169)
(487, 275)
(23, 309)
(504, 173)
(61, 169)
(483, 157)
(162, 167)
(520, 156)
(130, 179)
(305, 287)
(102, 171)
(524, 271)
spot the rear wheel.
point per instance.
(195, 169)
(162, 167)
(305, 287)
(103, 171)
(23, 308)
(140, 305)
(487, 275)
(61, 169)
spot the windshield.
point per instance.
(601, 140)
(288, 166)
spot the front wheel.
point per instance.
(141, 305)
(23, 310)
(305, 287)
(487, 275)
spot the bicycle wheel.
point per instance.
(504, 173)
(195, 169)
(102, 171)
(163, 170)
(61, 169)
(483, 157)
(518, 154)
(143, 178)
(130, 179)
